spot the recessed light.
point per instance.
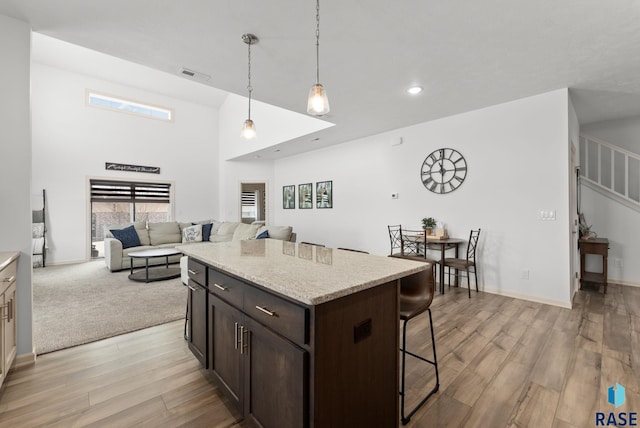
(414, 90)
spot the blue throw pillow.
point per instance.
(128, 236)
(206, 231)
(263, 235)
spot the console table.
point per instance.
(597, 246)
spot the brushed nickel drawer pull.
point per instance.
(192, 289)
(266, 311)
(10, 279)
(220, 287)
(193, 272)
(242, 330)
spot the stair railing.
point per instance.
(610, 169)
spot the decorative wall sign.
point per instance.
(289, 197)
(305, 196)
(131, 168)
(324, 194)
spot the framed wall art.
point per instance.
(324, 194)
(289, 197)
(305, 196)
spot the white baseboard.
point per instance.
(625, 283)
(25, 359)
(67, 262)
(528, 297)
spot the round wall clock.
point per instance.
(443, 171)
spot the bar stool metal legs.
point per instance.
(407, 418)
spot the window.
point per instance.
(118, 202)
(96, 99)
(249, 205)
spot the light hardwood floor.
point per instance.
(503, 363)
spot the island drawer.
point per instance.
(226, 287)
(282, 316)
(197, 272)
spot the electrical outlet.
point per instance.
(525, 274)
(617, 263)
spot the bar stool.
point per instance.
(416, 295)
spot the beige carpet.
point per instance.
(81, 303)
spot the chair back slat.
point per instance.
(473, 245)
(395, 237)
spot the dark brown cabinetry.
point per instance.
(263, 374)
(285, 364)
(197, 311)
(227, 340)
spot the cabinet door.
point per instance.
(226, 338)
(197, 327)
(10, 326)
(276, 380)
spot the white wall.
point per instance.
(574, 161)
(274, 125)
(621, 226)
(15, 173)
(610, 219)
(624, 133)
(518, 164)
(232, 173)
(72, 142)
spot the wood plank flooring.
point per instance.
(503, 363)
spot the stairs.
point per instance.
(610, 170)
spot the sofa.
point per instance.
(122, 239)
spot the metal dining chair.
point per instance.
(416, 295)
(395, 239)
(467, 263)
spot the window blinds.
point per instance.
(129, 191)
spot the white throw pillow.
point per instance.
(192, 234)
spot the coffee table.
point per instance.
(158, 273)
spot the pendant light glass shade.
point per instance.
(318, 103)
(248, 130)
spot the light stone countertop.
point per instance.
(309, 274)
(7, 257)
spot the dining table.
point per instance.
(441, 244)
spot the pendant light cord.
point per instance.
(249, 88)
(317, 41)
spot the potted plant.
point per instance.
(428, 223)
(585, 231)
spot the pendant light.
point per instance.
(318, 103)
(249, 128)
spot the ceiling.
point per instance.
(467, 55)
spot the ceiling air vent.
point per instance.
(195, 75)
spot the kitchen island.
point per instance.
(298, 335)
